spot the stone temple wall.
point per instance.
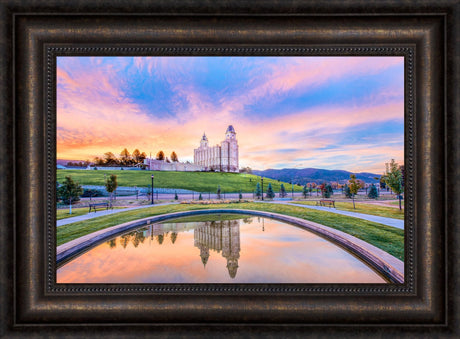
(160, 165)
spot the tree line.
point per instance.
(128, 159)
(124, 159)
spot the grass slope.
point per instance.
(195, 181)
(64, 213)
(387, 238)
(378, 210)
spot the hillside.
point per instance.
(195, 181)
(302, 176)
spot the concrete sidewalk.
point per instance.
(105, 212)
(381, 220)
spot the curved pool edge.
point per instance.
(386, 264)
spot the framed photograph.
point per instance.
(245, 170)
(208, 212)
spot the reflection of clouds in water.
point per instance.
(233, 251)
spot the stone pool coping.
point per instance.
(386, 264)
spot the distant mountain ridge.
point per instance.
(304, 175)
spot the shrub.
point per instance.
(91, 192)
(373, 192)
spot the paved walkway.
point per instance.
(105, 212)
(381, 220)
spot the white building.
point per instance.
(223, 157)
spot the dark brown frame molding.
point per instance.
(33, 35)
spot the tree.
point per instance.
(354, 186)
(393, 178)
(125, 157)
(382, 181)
(57, 190)
(174, 157)
(173, 237)
(110, 159)
(111, 185)
(112, 243)
(326, 190)
(98, 161)
(270, 194)
(142, 157)
(160, 155)
(218, 192)
(246, 170)
(258, 191)
(282, 191)
(136, 156)
(175, 196)
(69, 191)
(240, 195)
(373, 193)
(346, 191)
(200, 197)
(305, 191)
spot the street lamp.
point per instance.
(262, 180)
(152, 189)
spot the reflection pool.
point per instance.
(217, 249)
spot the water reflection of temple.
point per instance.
(220, 236)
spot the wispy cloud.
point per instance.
(167, 103)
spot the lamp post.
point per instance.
(152, 189)
(262, 180)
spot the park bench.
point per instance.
(94, 206)
(324, 202)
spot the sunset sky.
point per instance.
(288, 112)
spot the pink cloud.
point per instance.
(95, 117)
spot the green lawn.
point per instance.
(381, 211)
(397, 203)
(64, 213)
(387, 238)
(196, 181)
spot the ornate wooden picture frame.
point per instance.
(34, 35)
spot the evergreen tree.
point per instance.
(69, 191)
(218, 192)
(346, 191)
(240, 195)
(200, 197)
(305, 191)
(173, 237)
(326, 190)
(270, 194)
(258, 191)
(373, 193)
(282, 191)
(175, 196)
